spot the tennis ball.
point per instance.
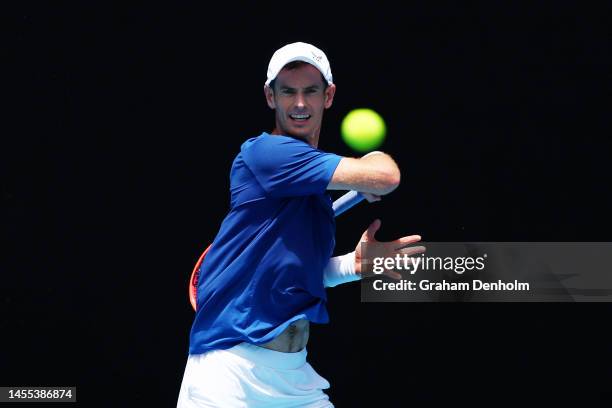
(363, 130)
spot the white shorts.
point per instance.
(251, 376)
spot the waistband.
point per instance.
(270, 358)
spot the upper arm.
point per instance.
(376, 175)
(287, 167)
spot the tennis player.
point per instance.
(264, 279)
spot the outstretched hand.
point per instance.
(398, 246)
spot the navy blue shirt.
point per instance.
(265, 268)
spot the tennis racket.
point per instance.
(342, 204)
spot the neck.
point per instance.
(312, 139)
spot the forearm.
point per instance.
(340, 269)
(375, 173)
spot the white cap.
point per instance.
(299, 51)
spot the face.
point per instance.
(299, 98)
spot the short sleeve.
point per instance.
(286, 167)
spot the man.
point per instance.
(264, 278)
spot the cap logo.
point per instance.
(316, 57)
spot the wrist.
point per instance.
(340, 269)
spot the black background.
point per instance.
(122, 123)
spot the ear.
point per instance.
(269, 93)
(329, 95)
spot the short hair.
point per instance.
(294, 65)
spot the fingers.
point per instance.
(412, 250)
(405, 241)
(393, 275)
(371, 197)
(369, 234)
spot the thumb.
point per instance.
(369, 234)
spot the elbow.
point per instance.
(392, 184)
(394, 179)
(390, 181)
(391, 177)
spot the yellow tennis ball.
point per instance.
(363, 130)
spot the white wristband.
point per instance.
(340, 269)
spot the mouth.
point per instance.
(303, 117)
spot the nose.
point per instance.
(299, 100)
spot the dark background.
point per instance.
(122, 124)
